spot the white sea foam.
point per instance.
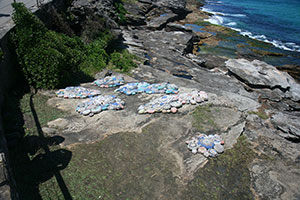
(231, 24)
(212, 12)
(235, 15)
(246, 33)
(236, 29)
(218, 18)
(215, 20)
(289, 46)
(208, 10)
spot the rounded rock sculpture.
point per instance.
(144, 87)
(109, 81)
(219, 148)
(208, 145)
(171, 103)
(77, 92)
(98, 104)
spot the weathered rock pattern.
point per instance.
(157, 23)
(260, 75)
(288, 125)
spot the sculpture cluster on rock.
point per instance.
(77, 92)
(144, 87)
(208, 145)
(171, 103)
(109, 81)
(97, 103)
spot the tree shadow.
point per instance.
(76, 79)
(4, 15)
(32, 161)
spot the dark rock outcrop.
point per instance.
(91, 17)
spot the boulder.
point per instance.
(178, 27)
(59, 123)
(287, 124)
(158, 23)
(197, 59)
(177, 6)
(258, 74)
(49, 131)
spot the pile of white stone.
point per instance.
(144, 87)
(171, 103)
(109, 81)
(98, 104)
(208, 145)
(77, 92)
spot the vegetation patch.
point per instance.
(17, 111)
(260, 112)
(122, 60)
(50, 59)
(121, 12)
(123, 166)
(47, 58)
(224, 177)
(203, 119)
(30, 158)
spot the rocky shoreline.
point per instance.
(249, 102)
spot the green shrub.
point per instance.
(96, 59)
(50, 59)
(47, 58)
(123, 60)
(121, 11)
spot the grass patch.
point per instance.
(204, 23)
(121, 12)
(123, 166)
(203, 118)
(18, 116)
(122, 61)
(45, 113)
(30, 161)
(225, 177)
(129, 1)
(262, 114)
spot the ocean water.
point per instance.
(272, 21)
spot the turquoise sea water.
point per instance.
(273, 21)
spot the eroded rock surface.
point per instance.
(258, 74)
(288, 125)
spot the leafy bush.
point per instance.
(121, 11)
(96, 59)
(47, 58)
(123, 60)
